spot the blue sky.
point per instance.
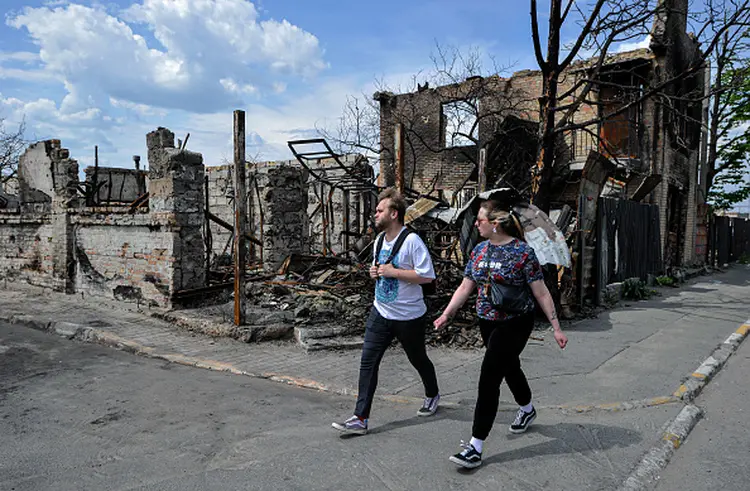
(106, 73)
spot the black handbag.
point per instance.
(511, 299)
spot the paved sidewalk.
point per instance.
(637, 352)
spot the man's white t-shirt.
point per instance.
(401, 300)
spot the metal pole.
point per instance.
(399, 154)
(240, 211)
(208, 236)
(140, 182)
(482, 171)
(347, 218)
(95, 180)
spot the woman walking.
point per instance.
(505, 260)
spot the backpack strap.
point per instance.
(378, 247)
(396, 247)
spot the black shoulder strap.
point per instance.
(378, 246)
(399, 242)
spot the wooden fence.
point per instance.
(628, 242)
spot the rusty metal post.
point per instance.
(209, 240)
(95, 179)
(482, 171)
(398, 152)
(139, 178)
(240, 212)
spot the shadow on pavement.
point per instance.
(594, 324)
(568, 438)
(465, 414)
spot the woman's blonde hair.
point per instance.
(508, 221)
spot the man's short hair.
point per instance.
(398, 202)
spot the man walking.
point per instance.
(398, 310)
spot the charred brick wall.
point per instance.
(52, 239)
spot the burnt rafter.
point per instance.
(357, 177)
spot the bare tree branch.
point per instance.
(12, 144)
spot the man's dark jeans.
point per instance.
(379, 333)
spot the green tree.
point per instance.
(729, 147)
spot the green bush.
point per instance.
(665, 281)
(744, 259)
(635, 289)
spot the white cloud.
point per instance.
(140, 109)
(644, 43)
(202, 42)
(45, 120)
(25, 59)
(25, 75)
(234, 88)
(24, 56)
(296, 117)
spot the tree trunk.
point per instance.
(541, 177)
(541, 174)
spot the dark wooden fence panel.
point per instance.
(722, 240)
(628, 241)
(740, 238)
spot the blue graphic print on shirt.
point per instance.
(514, 263)
(386, 289)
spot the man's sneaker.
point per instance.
(352, 425)
(429, 406)
(523, 421)
(468, 458)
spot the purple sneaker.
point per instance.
(429, 406)
(352, 425)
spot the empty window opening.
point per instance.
(460, 123)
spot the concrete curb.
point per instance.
(647, 470)
(106, 338)
(616, 406)
(697, 380)
(687, 391)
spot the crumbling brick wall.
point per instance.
(287, 209)
(127, 256)
(26, 249)
(52, 239)
(676, 152)
(285, 227)
(429, 159)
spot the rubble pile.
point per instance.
(331, 297)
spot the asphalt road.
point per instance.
(83, 417)
(716, 453)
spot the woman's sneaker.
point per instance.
(523, 421)
(468, 458)
(429, 406)
(352, 425)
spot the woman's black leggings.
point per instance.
(504, 342)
